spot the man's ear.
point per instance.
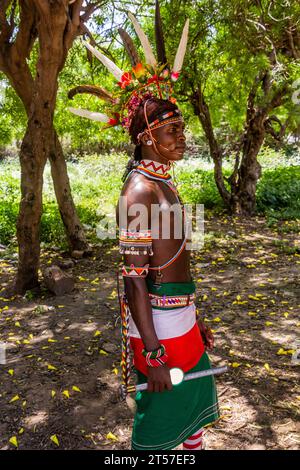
(145, 138)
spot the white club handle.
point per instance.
(191, 376)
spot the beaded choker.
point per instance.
(155, 169)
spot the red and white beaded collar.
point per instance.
(156, 169)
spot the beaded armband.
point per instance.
(135, 243)
(135, 271)
(156, 358)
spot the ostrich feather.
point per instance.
(181, 49)
(149, 56)
(109, 64)
(92, 90)
(159, 36)
(130, 47)
(100, 117)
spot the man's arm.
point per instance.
(135, 285)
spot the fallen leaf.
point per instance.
(13, 440)
(111, 436)
(15, 398)
(54, 439)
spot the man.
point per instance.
(158, 310)
(165, 416)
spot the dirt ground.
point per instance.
(59, 387)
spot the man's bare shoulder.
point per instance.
(139, 189)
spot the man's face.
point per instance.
(171, 139)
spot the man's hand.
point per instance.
(207, 335)
(159, 379)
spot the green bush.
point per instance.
(278, 193)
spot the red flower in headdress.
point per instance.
(114, 121)
(126, 79)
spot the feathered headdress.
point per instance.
(153, 78)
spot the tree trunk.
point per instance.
(33, 157)
(73, 228)
(243, 197)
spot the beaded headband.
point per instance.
(154, 78)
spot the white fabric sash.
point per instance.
(170, 323)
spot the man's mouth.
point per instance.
(181, 148)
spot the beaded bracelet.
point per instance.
(159, 361)
(156, 358)
(155, 353)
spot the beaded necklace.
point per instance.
(159, 172)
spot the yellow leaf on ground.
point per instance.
(17, 323)
(13, 440)
(76, 389)
(217, 319)
(269, 323)
(111, 436)
(97, 333)
(66, 393)
(235, 364)
(103, 352)
(267, 367)
(204, 297)
(50, 367)
(115, 371)
(53, 393)
(11, 372)
(21, 431)
(281, 352)
(15, 398)
(54, 439)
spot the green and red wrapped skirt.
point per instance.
(163, 420)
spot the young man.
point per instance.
(158, 309)
(166, 416)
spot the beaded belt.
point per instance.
(172, 301)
